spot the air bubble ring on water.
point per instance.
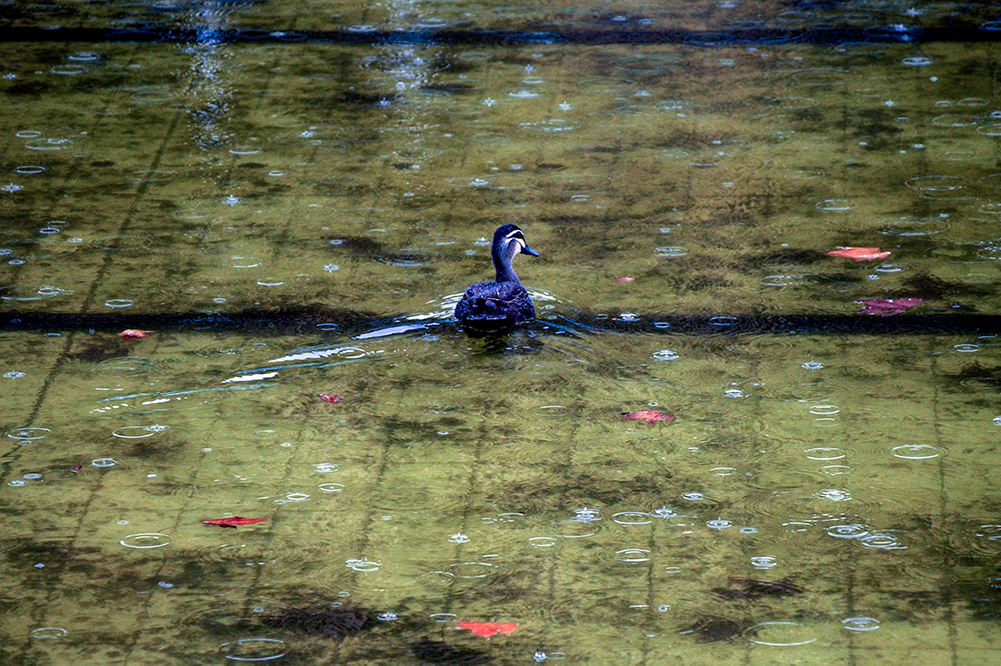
(851, 531)
(916, 452)
(28, 434)
(146, 540)
(254, 649)
(363, 565)
(632, 518)
(49, 632)
(633, 555)
(860, 623)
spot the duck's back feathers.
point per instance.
(495, 306)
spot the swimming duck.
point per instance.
(502, 304)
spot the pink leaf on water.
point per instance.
(651, 416)
(886, 307)
(858, 253)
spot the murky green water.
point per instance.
(289, 215)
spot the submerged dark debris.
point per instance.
(716, 629)
(438, 652)
(751, 589)
(333, 622)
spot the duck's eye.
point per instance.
(469, 292)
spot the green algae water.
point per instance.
(288, 203)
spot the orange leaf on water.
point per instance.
(651, 416)
(330, 398)
(487, 629)
(132, 334)
(858, 253)
(234, 521)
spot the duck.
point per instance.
(503, 304)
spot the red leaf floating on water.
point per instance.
(234, 521)
(330, 398)
(76, 468)
(488, 629)
(132, 334)
(651, 416)
(886, 307)
(625, 279)
(858, 253)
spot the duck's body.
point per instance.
(488, 307)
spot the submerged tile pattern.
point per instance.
(454, 481)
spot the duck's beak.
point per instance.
(528, 250)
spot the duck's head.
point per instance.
(509, 241)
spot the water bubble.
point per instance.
(966, 348)
(825, 410)
(13, 374)
(633, 555)
(916, 61)
(916, 451)
(850, 531)
(458, 537)
(146, 540)
(472, 570)
(671, 251)
(28, 434)
(666, 355)
(586, 515)
(29, 169)
(387, 616)
(764, 562)
(104, 462)
(68, 70)
(296, 497)
(780, 634)
(363, 565)
(32, 476)
(150, 176)
(543, 542)
(748, 530)
(938, 187)
(138, 432)
(693, 496)
(330, 487)
(824, 453)
(118, 303)
(718, 524)
(17, 482)
(49, 632)
(664, 512)
(632, 518)
(881, 541)
(325, 468)
(835, 205)
(833, 495)
(722, 321)
(860, 624)
(254, 649)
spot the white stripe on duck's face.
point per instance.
(518, 238)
